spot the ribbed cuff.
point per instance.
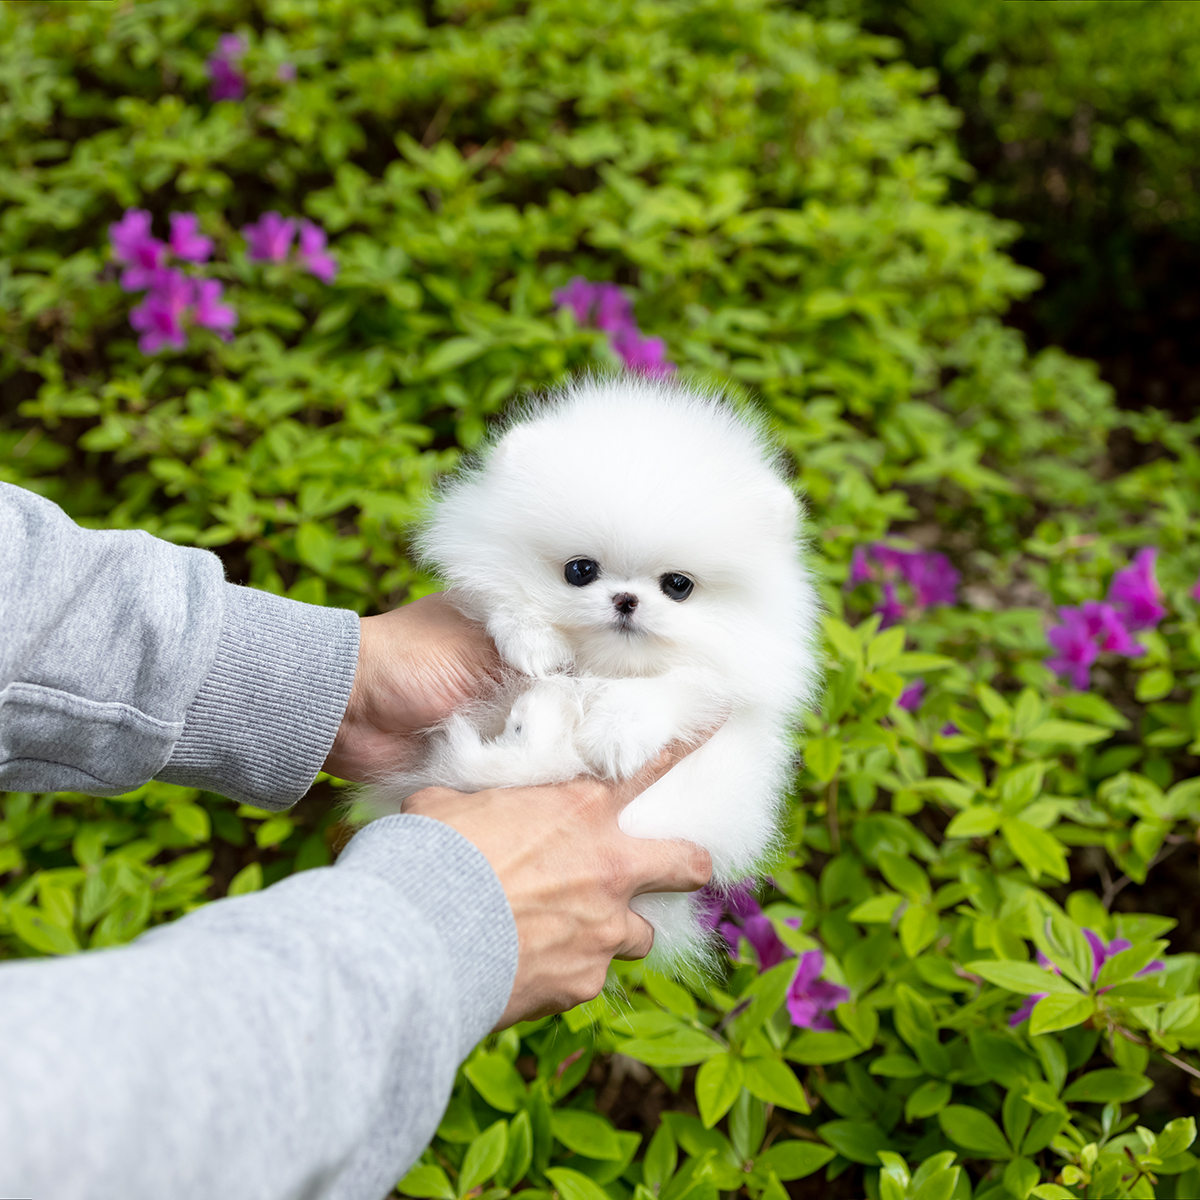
(447, 878)
(266, 715)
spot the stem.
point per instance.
(1177, 1062)
(831, 803)
(1113, 887)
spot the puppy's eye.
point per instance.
(676, 587)
(579, 572)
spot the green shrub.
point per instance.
(772, 189)
(1082, 120)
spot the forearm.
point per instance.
(123, 657)
(300, 1041)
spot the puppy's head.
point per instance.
(646, 524)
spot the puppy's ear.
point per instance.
(513, 449)
(779, 510)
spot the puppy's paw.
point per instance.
(625, 724)
(535, 650)
(543, 717)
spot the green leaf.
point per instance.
(682, 1048)
(519, 1155)
(974, 1131)
(930, 1098)
(794, 1159)
(483, 1158)
(36, 931)
(1020, 1177)
(859, 1141)
(878, 910)
(193, 821)
(496, 1080)
(822, 757)
(918, 928)
(586, 1133)
(1053, 1191)
(1068, 733)
(453, 352)
(814, 1047)
(572, 1185)
(1127, 963)
(248, 879)
(977, 821)
(1024, 978)
(897, 1066)
(660, 1159)
(772, 1080)
(426, 1183)
(1102, 1087)
(1040, 852)
(718, 1083)
(905, 876)
(1060, 1012)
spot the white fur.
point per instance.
(645, 478)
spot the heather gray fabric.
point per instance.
(123, 658)
(299, 1042)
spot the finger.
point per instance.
(657, 767)
(667, 866)
(639, 938)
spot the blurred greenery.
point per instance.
(774, 188)
(1082, 121)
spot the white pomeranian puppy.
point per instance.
(633, 548)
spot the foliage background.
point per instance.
(783, 194)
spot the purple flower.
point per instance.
(579, 295)
(228, 83)
(1135, 594)
(270, 238)
(159, 317)
(186, 239)
(133, 245)
(312, 254)
(209, 311)
(891, 609)
(1196, 591)
(809, 997)
(933, 579)
(613, 311)
(748, 922)
(1105, 626)
(647, 355)
(949, 730)
(1085, 632)
(286, 72)
(911, 697)
(1101, 952)
(1076, 647)
(860, 569)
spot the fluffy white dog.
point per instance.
(633, 549)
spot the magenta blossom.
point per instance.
(1085, 632)
(1135, 594)
(912, 695)
(749, 922)
(1076, 646)
(647, 355)
(228, 82)
(186, 240)
(607, 306)
(286, 72)
(809, 997)
(614, 313)
(891, 610)
(928, 573)
(160, 316)
(270, 238)
(312, 255)
(133, 244)
(209, 311)
(1101, 953)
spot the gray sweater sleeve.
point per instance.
(124, 658)
(299, 1042)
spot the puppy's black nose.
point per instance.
(625, 603)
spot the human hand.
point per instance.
(569, 873)
(416, 665)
